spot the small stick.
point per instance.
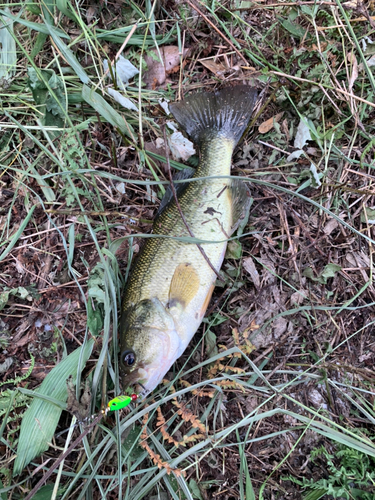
(353, 96)
(122, 47)
(63, 456)
(180, 211)
(217, 30)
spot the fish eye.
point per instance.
(128, 357)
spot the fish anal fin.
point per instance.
(241, 201)
(184, 285)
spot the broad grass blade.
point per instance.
(42, 28)
(8, 54)
(63, 6)
(40, 420)
(48, 9)
(106, 111)
(68, 55)
(18, 234)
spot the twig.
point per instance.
(273, 147)
(319, 84)
(180, 211)
(256, 5)
(217, 30)
(63, 456)
(112, 63)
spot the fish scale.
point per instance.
(152, 274)
(171, 283)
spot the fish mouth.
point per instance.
(141, 380)
(155, 374)
(130, 379)
(145, 378)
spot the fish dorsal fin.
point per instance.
(241, 201)
(184, 285)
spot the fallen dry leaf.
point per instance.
(330, 226)
(353, 77)
(269, 124)
(279, 326)
(218, 69)
(298, 297)
(90, 14)
(181, 148)
(249, 266)
(157, 71)
(353, 4)
(303, 134)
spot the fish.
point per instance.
(171, 283)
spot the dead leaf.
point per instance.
(361, 261)
(295, 155)
(181, 148)
(330, 226)
(78, 407)
(316, 398)
(352, 4)
(298, 297)
(249, 266)
(303, 134)
(217, 69)
(90, 14)
(365, 357)
(279, 326)
(157, 147)
(251, 404)
(157, 71)
(353, 77)
(269, 124)
(285, 129)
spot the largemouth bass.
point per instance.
(171, 283)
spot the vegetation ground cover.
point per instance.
(274, 398)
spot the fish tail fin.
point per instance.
(225, 113)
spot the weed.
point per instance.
(350, 474)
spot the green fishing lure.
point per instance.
(121, 402)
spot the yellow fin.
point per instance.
(184, 285)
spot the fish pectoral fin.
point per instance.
(184, 285)
(241, 202)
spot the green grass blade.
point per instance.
(42, 28)
(48, 9)
(63, 6)
(40, 420)
(315, 495)
(68, 54)
(2, 497)
(8, 54)
(107, 112)
(18, 233)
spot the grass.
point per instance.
(283, 363)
